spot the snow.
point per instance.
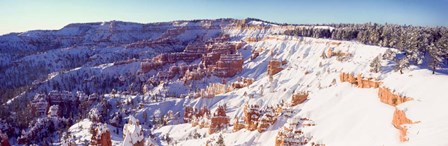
(428, 105)
(343, 113)
(133, 132)
(81, 131)
(347, 115)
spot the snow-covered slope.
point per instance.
(344, 114)
(336, 111)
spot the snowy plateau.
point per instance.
(212, 82)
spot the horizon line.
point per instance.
(201, 19)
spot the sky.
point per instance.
(24, 15)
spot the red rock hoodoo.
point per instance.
(219, 120)
(251, 115)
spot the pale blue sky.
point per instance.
(23, 15)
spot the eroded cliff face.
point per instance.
(399, 120)
(359, 80)
(388, 97)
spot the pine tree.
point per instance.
(403, 63)
(375, 65)
(389, 54)
(434, 58)
(168, 138)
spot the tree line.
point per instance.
(423, 46)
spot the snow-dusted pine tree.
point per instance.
(434, 57)
(403, 63)
(375, 65)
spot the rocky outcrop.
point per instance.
(256, 118)
(100, 135)
(252, 39)
(219, 57)
(238, 124)
(228, 65)
(359, 80)
(211, 90)
(218, 120)
(242, 82)
(267, 119)
(347, 77)
(251, 116)
(63, 104)
(39, 105)
(388, 97)
(197, 117)
(274, 66)
(298, 98)
(188, 113)
(399, 119)
(291, 133)
(202, 118)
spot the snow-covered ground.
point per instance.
(343, 113)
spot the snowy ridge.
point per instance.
(344, 114)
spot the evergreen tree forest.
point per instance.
(423, 46)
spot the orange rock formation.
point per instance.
(237, 124)
(251, 115)
(219, 120)
(274, 67)
(398, 121)
(242, 82)
(298, 98)
(269, 117)
(228, 65)
(388, 97)
(360, 81)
